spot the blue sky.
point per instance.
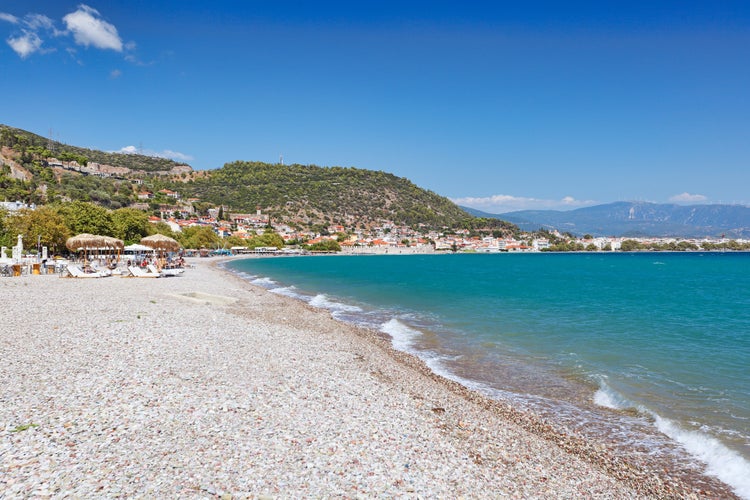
(498, 105)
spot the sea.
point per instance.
(648, 352)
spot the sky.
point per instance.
(500, 106)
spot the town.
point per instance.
(385, 237)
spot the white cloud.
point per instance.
(40, 21)
(8, 17)
(115, 73)
(83, 27)
(32, 27)
(688, 198)
(176, 155)
(90, 30)
(501, 203)
(26, 44)
(167, 153)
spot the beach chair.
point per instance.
(102, 272)
(76, 272)
(164, 272)
(137, 272)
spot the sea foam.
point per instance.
(609, 398)
(402, 336)
(287, 291)
(323, 302)
(721, 462)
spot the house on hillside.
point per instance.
(251, 220)
(540, 244)
(169, 193)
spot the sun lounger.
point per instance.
(164, 272)
(137, 272)
(102, 272)
(77, 272)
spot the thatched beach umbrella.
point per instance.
(114, 244)
(85, 242)
(161, 243)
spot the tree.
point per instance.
(130, 225)
(83, 217)
(235, 241)
(267, 239)
(630, 245)
(161, 227)
(325, 246)
(199, 237)
(44, 224)
(5, 235)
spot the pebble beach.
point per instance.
(206, 386)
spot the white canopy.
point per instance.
(135, 247)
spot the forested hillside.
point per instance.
(41, 171)
(30, 144)
(306, 193)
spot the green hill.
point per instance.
(25, 142)
(38, 170)
(306, 194)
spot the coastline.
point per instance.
(208, 385)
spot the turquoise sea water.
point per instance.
(648, 350)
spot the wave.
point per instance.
(264, 282)
(721, 462)
(402, 336)
(242, 274)
(609, 398)
(323, 302)
(287, 291)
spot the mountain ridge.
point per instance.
(636, 219)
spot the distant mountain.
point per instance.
(636, 219)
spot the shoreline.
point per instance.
(208, 385)
(650, 477)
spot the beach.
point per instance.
(205, 386)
